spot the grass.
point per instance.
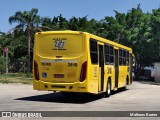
(16, 78)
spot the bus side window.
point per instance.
(111, 55)
(124, 57)
(127, 58)
(120, 57)
(107, 58)
(93, 51)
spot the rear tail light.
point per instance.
(36, 71)
(83, 72)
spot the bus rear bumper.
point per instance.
(65, 87)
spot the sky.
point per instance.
(96, 9)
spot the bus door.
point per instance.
(116, 66)
(101, 66)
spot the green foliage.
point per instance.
(27, 21)
(135, 29)
(2, 64)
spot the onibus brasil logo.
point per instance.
(59, 44)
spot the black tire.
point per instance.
(108, 89)
(125, 87)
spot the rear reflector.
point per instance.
(83, 72)
(36, 71)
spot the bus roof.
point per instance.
(104, 40)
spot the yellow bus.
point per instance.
(74, 61)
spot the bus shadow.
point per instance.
(120, 90)
(59, 98)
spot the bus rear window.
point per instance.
(59, 45)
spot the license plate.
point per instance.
(58, 75)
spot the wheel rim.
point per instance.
(109, 88)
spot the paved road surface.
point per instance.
(138, 97)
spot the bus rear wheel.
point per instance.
(108, 89)
(126, 84)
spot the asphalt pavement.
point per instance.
(138, 97)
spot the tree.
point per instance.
(57, 23)
(155, 31)
(135, 29)
(27, 21)
(2, 64)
